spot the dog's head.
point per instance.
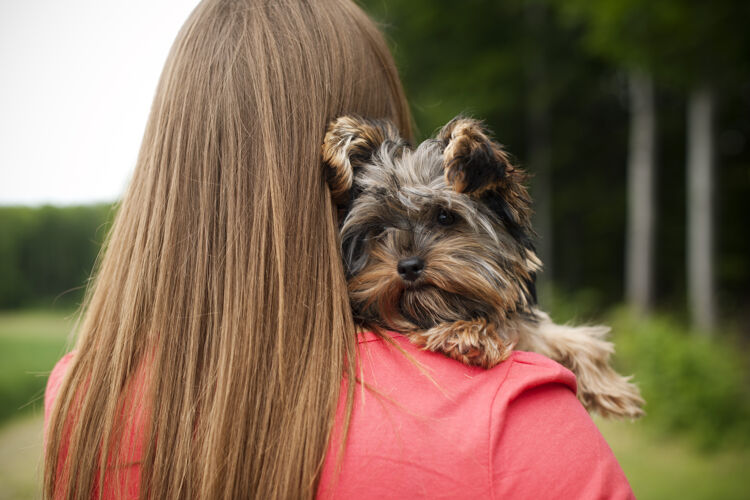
(434, 234)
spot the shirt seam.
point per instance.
(490, 461)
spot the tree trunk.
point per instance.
(700, 158)
(639, 266)
(538, 137)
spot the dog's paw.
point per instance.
(470, 342)
(618, 398)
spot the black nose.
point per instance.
(410, 269)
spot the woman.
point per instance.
(216, 335)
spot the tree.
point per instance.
(639, 273)
(694, 46)
(709, 46)
(700, 208)
(622, 31)
(705, 49)
(547, 77)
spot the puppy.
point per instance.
(438, 245)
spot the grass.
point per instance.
(658, 467)
(21, 458)
(31, 342)
(661, 467)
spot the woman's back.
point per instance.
(440, 429)
(222, 267)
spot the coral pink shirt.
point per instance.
(515, 431)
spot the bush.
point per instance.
(31, 342)
(691, 383)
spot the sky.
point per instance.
(77, 78)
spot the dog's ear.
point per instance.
(472, 161)
(350, 142)
(477, 166)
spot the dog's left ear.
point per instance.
(477, 166)
(473, 163)
(351, 141)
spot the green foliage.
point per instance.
(454, 58)
(505, 61)
(691, 383)
(48, 253)
(678, 40)
(31, 342)
(496, 61)
(583, 306)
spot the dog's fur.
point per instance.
(457, 206)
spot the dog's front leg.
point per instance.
(584, 351)
(473, 342)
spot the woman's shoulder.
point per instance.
(421, 382)
(528, 370)
(426, 426)
(54, 381)
(392, 354)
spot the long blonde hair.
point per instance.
(222, 274)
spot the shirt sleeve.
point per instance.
(545, 445)
(53, 385)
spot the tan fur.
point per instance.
(346, 139)
(462, 136)
(584, 350)
(471, 342)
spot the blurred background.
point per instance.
(632, 116)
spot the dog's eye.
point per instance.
(446, 217)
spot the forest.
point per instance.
(632, 118)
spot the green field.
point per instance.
(665, 468)
(31, 342)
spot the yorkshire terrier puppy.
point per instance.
(438, 245)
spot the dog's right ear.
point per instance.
(350, 142)
(474, 164)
